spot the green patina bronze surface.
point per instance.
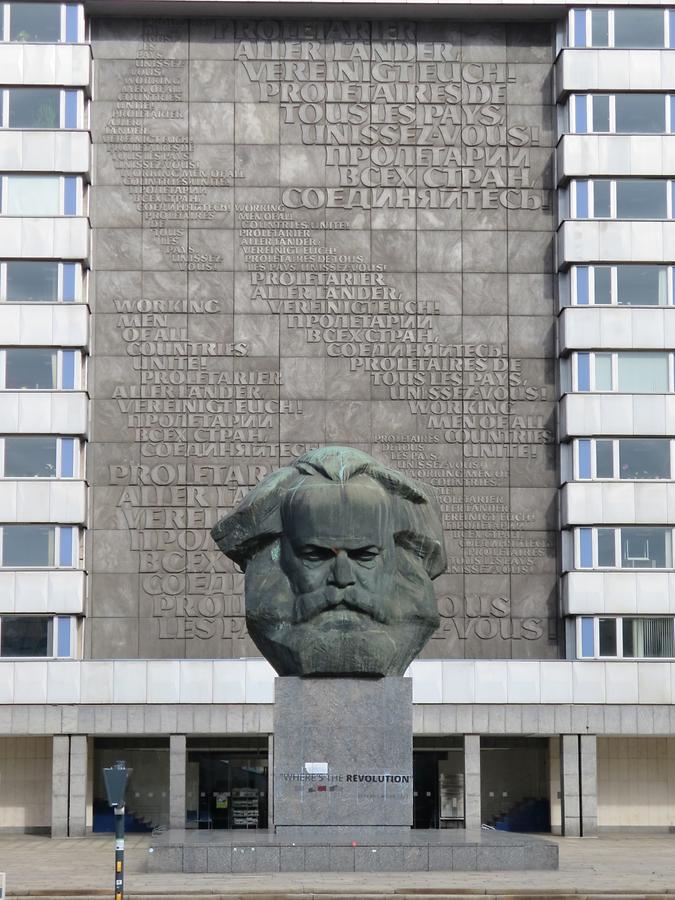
(339, 553)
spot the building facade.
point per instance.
(228, 236)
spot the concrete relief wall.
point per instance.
(310, 233)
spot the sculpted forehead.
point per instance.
(354, 514)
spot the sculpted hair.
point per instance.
(258, 521)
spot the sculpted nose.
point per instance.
(342, 570)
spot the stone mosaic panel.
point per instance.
(309, 233)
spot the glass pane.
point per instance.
(70, 111)
(641, 198)
(641, 285)
(30, 457)
(581, 191)
(34, 108)
(671, 14)
(70, 272)
(580, 114)
(647, 638)
(579, 27)
(601, 112)
(599, 28)
(603, 372)
(606, 547)
(31, 370)
(645, 548)
(643, 373)
(25, 636)
(602, 196)
(33, 195)
(604, 459)
(72, 28)
(66, 546)
(602, 283)
(583, 372)
(27, 545)
(644, 458)
(640, 113)
(582, 285)
(67, 457)
(638, 28)
(68, 370)
(35, 22)
(607, 635)
(584, 459)
(36, 281)
(585, 548)
(70, 196)
(587, 640)
(63, 639)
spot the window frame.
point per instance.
(75, 538)
(80, 107)
(619, 620)
(78, 451)
(616, 450)
(80, 26)
(80, 281)
(614, 286)
(577, 205)
(54, 636)
(615, 354)
(80, 202)
(578, 530)
(586, 12)
(78, 369)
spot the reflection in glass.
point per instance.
(643, 373)
(27, 545)
(30, 369)
(641, 285)
(30, 457)
(25, 636)
(604, 459)
(646, 548)
(603, 371)
(34, 107)
(599, 28)
(641, 198)
(638, 28)
(32, 280)
(602, 199)
(606, 547)
(640, 114)
(37, 22)
(602, 283)
(33, 195)
(644, 458)
(601, 112)
(646, 638)
(607, 637)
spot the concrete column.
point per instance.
(177, 771)
(60, 765)
(472, 810)
(77, 815)
(270, 781)
(588, 754)
(569, 785)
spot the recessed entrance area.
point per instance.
(227, 783)
(147, 794)
(515, 783)
(438, 782)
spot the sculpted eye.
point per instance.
(364, 554)
(315, 554)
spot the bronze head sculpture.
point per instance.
(339, 553)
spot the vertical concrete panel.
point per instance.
(472, 808)
(60, 768)
(569, 785)
(177, 769)
(588, 757)
(270, 780)
(77, 816)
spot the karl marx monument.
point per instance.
(339, 553)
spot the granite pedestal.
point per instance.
(342, 757)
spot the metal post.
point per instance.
(119, 853)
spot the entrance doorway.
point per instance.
(514, 783)
(438, 782)
(227, 783)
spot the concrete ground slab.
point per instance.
(625, 866)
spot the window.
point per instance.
(626, 637)
(41, 108)
(39, 546)
(632, 113)
(637, 28)
(630, 372)
(39, 369)
(43, 22)
(33, 281)
(625, 198)
(37, 636)
(646, 548)
(41, 195)
(629, 547)
(624, 458)
(39, 457)
(624, 285)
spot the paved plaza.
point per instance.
(610, 865)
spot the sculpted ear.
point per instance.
(257, 519)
